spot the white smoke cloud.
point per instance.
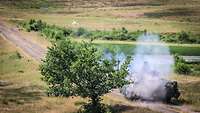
(152, 64)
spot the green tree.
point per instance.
(56, 68)
(81, 71)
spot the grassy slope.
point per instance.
(22, 91)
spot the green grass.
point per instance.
(128, 49)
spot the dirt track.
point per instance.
(37, 52)
(30, 48)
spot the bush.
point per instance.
(183, 37)
(34, 25)
(181, 67)
(80, 32)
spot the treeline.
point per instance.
(56, 33)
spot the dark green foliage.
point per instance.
(34, 25)
(181, 67)
(79, 70)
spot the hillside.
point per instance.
(92, 3)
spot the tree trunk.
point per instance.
(95, 101)
(96, 106)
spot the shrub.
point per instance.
(181, 67)
(169, 38)
(34, 25)
(183, 37)
(80, 31)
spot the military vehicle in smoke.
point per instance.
(169, 93)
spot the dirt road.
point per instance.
(37, 52)
(30, 48)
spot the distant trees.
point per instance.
(80, 70)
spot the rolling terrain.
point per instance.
(21, 87)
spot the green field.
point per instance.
(128, 49)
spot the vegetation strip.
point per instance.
(55, 33)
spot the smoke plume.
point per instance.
(151, 66)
